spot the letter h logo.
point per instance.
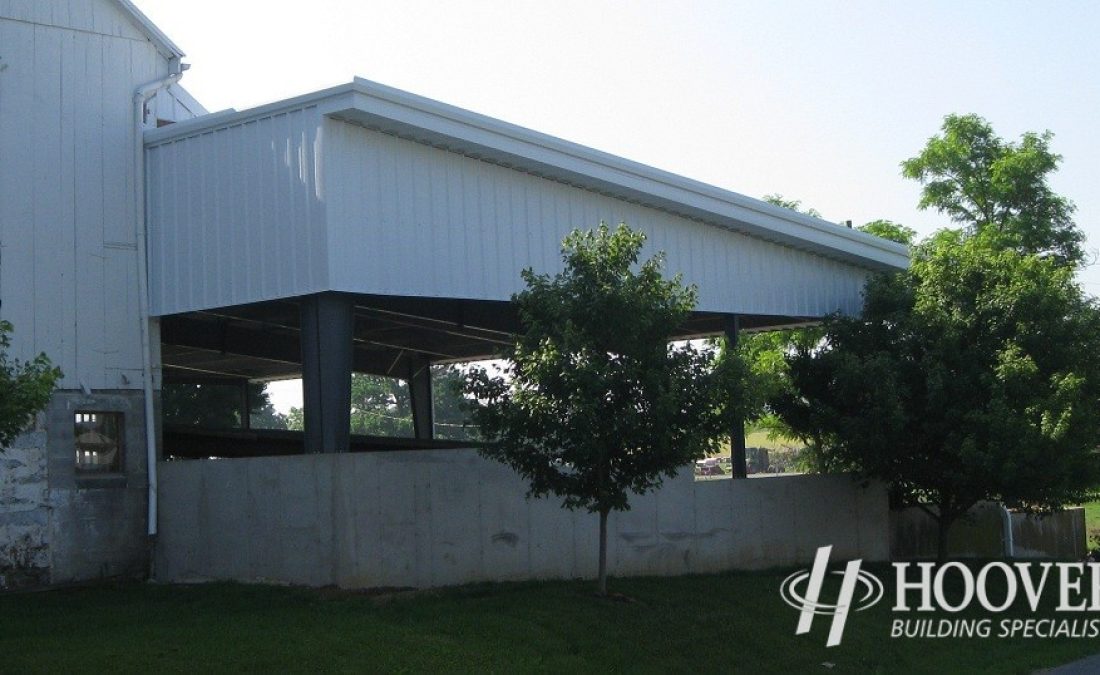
(802, 590)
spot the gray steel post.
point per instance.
(420, 390)
(327, 333)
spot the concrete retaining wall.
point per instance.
(431, 518)
(1060, 536)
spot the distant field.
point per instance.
(759, 439)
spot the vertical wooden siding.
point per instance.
(68, 249)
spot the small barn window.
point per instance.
(98, 442)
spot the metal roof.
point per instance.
(382, 108)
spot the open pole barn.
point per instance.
(363, 229)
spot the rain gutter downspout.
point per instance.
(141, 95)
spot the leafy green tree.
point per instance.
(451, 408)
(988, 184)
(792, 204)
(974, 375)
(765, 352)
(594, 403)
(25, 388)
(215, 405)
(888, 229)
(382, 406)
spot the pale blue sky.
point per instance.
(818, 101)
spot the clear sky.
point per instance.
(818, 101)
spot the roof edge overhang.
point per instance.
(388, 110)
(164, 45)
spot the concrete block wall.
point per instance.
(58, 527)
(434, 518)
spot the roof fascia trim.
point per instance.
(164, 45)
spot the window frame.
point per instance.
(119, 467)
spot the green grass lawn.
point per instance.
(1092, 523)
(731, 622)
(1092, 514)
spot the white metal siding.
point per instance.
(88, 16)
(68, 250)
(236, 214)
(409, 219)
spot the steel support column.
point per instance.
(327, 332)
(738, 464)
(420, 389)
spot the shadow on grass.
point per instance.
(734, 622)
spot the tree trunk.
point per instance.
(602, 578)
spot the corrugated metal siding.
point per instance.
(68, 251)
(236, 214)
(409, 219)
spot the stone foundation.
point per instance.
(57, 526)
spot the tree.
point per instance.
(988, 184)
(765, 352)
(888, 229)
(795, 205)
(382, 406)
(218, 405)
(594, 404)
(450, 407)
(25, 388)
(974, 375)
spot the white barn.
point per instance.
(355, 229)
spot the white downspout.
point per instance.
(141, 95)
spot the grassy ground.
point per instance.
(733, 622)
(1092, 523)
(1092, 514)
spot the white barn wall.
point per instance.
(68, 246)
(409, 219)
(69, 264)
(89, 16)
(236, 214)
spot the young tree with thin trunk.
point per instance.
(595, 404)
